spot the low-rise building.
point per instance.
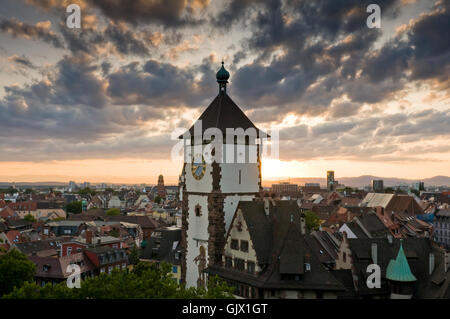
(442, 228)
(267, 254)
(164, 246)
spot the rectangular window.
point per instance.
(110, 268)
(102, 270)
(69, 251)
(250, 267)
(244, 245)
(235, 244)
(124, 266)
(175, 269)
(228, 262)
(239, 177)
(239, 264)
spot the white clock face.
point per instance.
(198, 167)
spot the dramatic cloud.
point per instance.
(22, 61)
(138, 69)
(39, 31)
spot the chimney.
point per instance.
(302, 224)
(266, 206)
(431, 259)
(89, 237)
(374, 253)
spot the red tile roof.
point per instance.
(13, 236)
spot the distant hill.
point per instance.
(360, 181)
(364, 180)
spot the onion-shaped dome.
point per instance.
(222, 75)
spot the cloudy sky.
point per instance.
(102, 103)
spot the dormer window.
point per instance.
(307, 266)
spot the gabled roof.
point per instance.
(416, 251)
(50, 245)
(51, 267)
(143, 221)
(402, 203)
(377, 199)
(281, 249)
(164, 248)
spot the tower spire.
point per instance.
(222, 77)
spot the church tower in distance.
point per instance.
(219, 170)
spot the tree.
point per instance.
(145, 281)
(389, 190)
(114, 233)
(74, 207)
(15, 269)
(134, 256)
(29, 191)
(30, 218)
(349, 190)
(113, 212)
(158, 200)
(87, 191)
(312, 221)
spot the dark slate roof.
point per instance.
(325, 246)
(356, 229)
(169, 246)
(373, 224)
(345, 277)
(417, 252)
(223, 113)
(17, 223)
(281, 250)
(42, 245)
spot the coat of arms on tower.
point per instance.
(201, 260)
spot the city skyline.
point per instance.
(102, 102)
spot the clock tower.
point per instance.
(222, 166)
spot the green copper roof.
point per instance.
(398, 269)
(222, 75)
